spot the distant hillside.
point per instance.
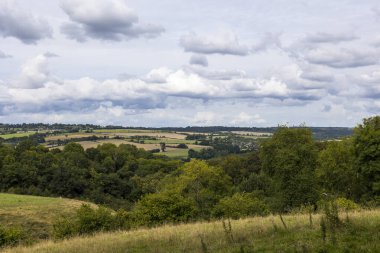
(268, 234)
(16, 130)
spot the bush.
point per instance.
(158, 208)
(64, 228)
(182, 145)
(11, 236)
(240, 205)
(89, 220)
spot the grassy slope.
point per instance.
(34, 214)
(267, 234)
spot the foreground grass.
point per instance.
(35, 215)
(360, 234)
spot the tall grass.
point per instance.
(360, 234)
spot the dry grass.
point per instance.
(248, 235)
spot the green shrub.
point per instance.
(11, 236)
(183, 146)
(240, 205)
(158, 208)
(88, 220)
(64, 228)
(346, 204)
(91, 220)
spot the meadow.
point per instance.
(360, 233)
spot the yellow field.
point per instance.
(113, 134)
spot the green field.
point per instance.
(8, 136)
(33, 214)
(360, 234)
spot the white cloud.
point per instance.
(204, 118)
(247, 119)
(225, 43)
(37, 90)
(34, 73)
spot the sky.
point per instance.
(184, 63)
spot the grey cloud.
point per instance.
(326, 108)
(307, 95)
(317, 75)
(305, 78)
(368, 84)
(322, 37)
(197, 59)
(224, 44)
(376, 11)
(22, 25)
(342, 58)
(104, 20)
(74, 32)
(4, 55)
(376, 42)
(50, 55)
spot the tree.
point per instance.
(290, 158)
(163, 146)
(367, 153)
(204, 184)
(336, 171)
